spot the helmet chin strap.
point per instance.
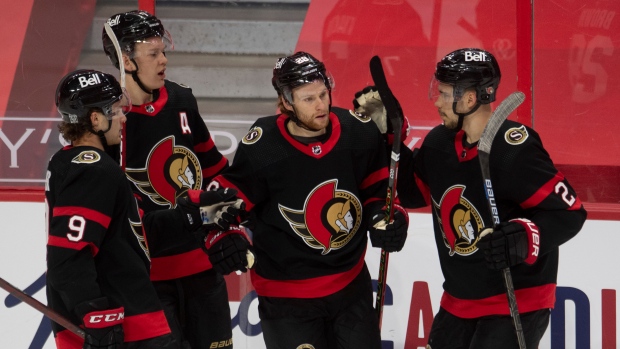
(134, 75)
(463, 115)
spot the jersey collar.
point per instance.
(317, 149)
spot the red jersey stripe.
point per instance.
(180, 265)
(542, 192)
(65, 243)
(215, 169)
(204, 146)
(145, 326)
(528, 299)
(307, 288)
(87, 213)
(375, 177)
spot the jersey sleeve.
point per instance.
(412, 184)
(169, 230)
(543, 193)
(78, 224)
(241, 175)
(211, 160)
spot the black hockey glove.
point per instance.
(368, 102)
(390, 237)
(216, 209)
(229, 250)
(511, 243)
(103, 326)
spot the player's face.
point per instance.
(151, 58)
(311, 105)
(444, 100)
(114, 135)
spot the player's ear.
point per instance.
(94, 119)
(128, 63)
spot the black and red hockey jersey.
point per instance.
(312, 202)
(167, 149)
(446, 174)
(94, 243)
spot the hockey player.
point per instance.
(316, 180)
(167, 151)
(538, 209)
(97, 272)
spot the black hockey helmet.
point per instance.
(296, 70)
(129, 28)
(467, 68)
(82, 90)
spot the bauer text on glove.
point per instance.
(511, 243)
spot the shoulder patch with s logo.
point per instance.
(516, 135)
(360, 117)
(252, 136)
(86, 157)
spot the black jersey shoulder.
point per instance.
(440, 138)
(512, 141)
(179, 92)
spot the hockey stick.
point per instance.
(121, 68)
(396, 118)
(484, 149)
(119, 53)
(44, 309)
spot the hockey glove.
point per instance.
(368, 102)
(391, 236)
(216, 209)
(229, 250)
(103, 326)
(511, 243)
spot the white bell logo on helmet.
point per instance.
(114, 21)
(91, 81)
(475, 56)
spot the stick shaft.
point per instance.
(396, 119)
(484, 148)
(44, 309)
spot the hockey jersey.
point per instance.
(93, 247)
(167, 150)
(445, 173)
(312, 202)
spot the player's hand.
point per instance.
(389, 236)
(216, 209)
(229, 250)
(367, 102)
(511, 243)
(103, 326)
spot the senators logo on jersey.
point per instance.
(459, 220)
(516, 135)
(170, 171)
(329, 219)
(86, 157)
